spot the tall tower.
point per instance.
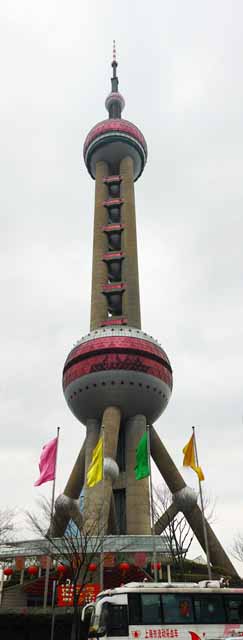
(117, 379)
(117, 376)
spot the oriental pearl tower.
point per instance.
(117, 379)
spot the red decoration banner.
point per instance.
(65, 594)
(109, 559)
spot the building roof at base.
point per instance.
(125, 543)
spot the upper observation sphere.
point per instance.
(114, 139)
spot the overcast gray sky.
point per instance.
(180, 71)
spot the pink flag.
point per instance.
(47, 464)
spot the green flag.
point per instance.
(142, 462)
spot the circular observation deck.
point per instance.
(112, 140)
(117, 366)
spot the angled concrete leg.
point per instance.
(66, 505)
(166, 518)
(176, 484)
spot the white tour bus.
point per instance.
(151, 611)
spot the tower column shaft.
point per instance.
(111, 426)
(92, 437)
(137, 491)
(131, 301)
(99, 270)
(91, 494)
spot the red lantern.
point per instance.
(61, 568)
(92, 566)
(8, 571)
(158, 566)
(33, 570)
(124, 566)
(155, 565)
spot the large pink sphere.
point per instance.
(117, 366)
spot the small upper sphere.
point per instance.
(111, 141)
(121, 367)
(113, 98)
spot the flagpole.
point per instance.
(202, 508)
(152, 505)
(103, 516)
(54, 480)
(48, 560)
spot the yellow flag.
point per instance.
(95, 470)
(189, 458)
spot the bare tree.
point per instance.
(6, 525)
(76, 549)
(178, 533)
(237, 548)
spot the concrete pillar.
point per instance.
(130, 300)
(111, 426)
(92, 437)
(99, 270)
(92, 495)
(175, 482)
(112, 523)
(137, 491)
(168, 573)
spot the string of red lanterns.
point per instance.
(61, 569)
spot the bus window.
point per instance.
(177, 608)
(209, 609)
(114, 619)
(134, 608)
(151, 608)
(234, 608)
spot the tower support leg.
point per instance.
(166, 518)
(67, 501)
(92, 495)
(110, 426)
(176, 483)
(137, 491)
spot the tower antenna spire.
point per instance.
(114, 63)
(114, 51)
